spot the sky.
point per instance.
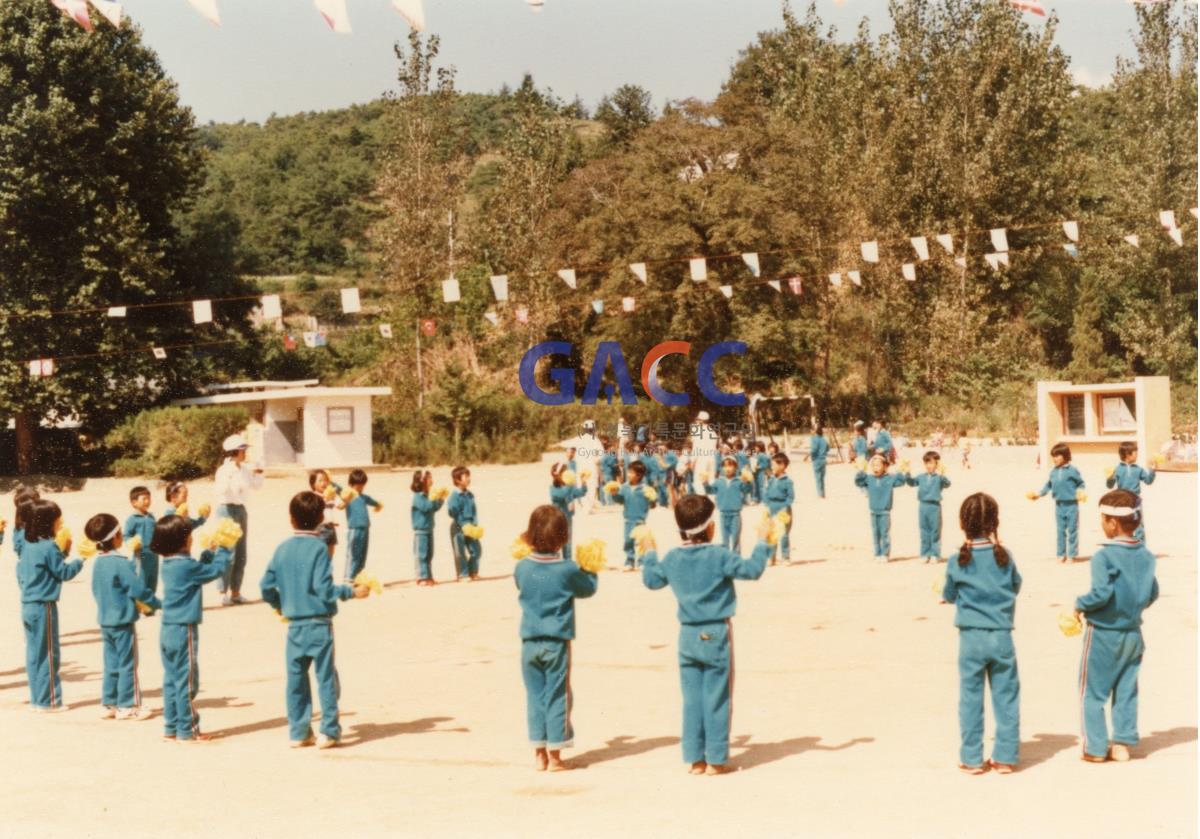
(279, 57)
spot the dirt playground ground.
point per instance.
(846, 696)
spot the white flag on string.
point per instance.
(870, 251)
(111, 11)
(272, 308)
(1176, 235)
(1002, 258)
(116, 311)
(628, 304)
(946, 241)
(855, 277)
(77, 10)
(451, 293)
(160, 353)
(775, 284)
(413, 11)
(492, 317)
(385, 330)
(999, 239)
(751, 260)
(334, 12)
(1132, 239)
(993, 259)
(835, 279)
(960, 261)
(208, 10)
(310, 340)
(202, 311)
(351, 302)
(41, 367)
(796, 285)
(521, 313)
(727, 290)
(639, 270)
(1166, 218)
(699, 269)
(1195, 211)
(568, 276)
(921, 246)
(500, 287)
(1071, 230)
(909, 272)
(598, 306)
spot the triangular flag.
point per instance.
(960, 261)
(322, 338)
(492, 317)
(946, 241)
(272, 309)
(334, 12)
(909, 272)
(451, 293)
(921, 246)
(116, 311)
(1071, 230)
(289, 343)
(385, 330)
(751, 260)
(500, 287)
(413, 11)
(522, 314)
(1195, 211)
(855, 277)
(775, 285)
(598, 306)
(202, 311)
(1002, 258)
(628, 304)
(727, 290)
(993, 259)
(111, 11)
(639, 270)
(208, 9)
(41, 367)
(160, 353)
(870, 251)
(699, 269)
(1071, 249)
(310, 340)
(795, 284)
(835, 279)
(1166, 218)
(999, 239)
(428, 327)
(1031, 6)
(568, 276)
(350, 301)
(1176, 235)
(1132, 239)
(77, 10)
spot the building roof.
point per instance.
(303, 392)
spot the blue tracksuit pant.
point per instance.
(1140, 533)
(358, 539)
(706, 677)
(881, 533)
(929, 520)
(423, 553)
(546, 669)
(1066, 520)
(785, 543)
(232, 581)
(147, 568)
(41, 654)
(310, 643)
(630, 547)
(120, 688)
(1109, 668)
(466, 552)
(819, 475)
(988, 654)
(180, 647)
(731, 531)
(566, 549)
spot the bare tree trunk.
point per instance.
(26, 428)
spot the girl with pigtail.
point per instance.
(983, 583)
(423, 509)
(565, 489)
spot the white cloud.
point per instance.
(1086, 78)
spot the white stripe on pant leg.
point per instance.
(1087, 647)
(50, 652)
(191, 711)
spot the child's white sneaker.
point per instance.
(303, 744)
(108, 713)
(882, 560)
(1119, 752)
(324, 742)
(137, 712)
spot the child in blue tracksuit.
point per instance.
(762, 471)
(1127, 475)
(688, 461)
(41, 570)
(21, 497)
(1123, 586)
(668, 475)
(118, 589)
(141, 524)
(731, 493)
(177, 499)
(818, 448)
(462, 510)
(861, 447)
(632, 496)
(182, 612)
(322, 484)
(548, 584)
(701, 575)
(983, 583)
(423, 510)
(358, 524)
(880, 487)
(654, 467)
(1066, 487)
(608, 472)
(779, 497)
(884, 445)
(299, 585)
(929, 486)
(563, 495)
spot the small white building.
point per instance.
(303, 424)
(1094, 419)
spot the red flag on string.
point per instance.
(289, 343)
(428, 327)
(1028, 6)
(795, 285)
(522, 314)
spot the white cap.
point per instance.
(589, 423)
(702, 416)
(234, 443)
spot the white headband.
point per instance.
(115, 531)
(1118, 512)
(696, 531)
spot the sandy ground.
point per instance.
(846, 697)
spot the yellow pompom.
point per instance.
(368, 581)
(204, 510)
(378, 507)
(227, 534)
(1032, 496)
(590, 556)
(585, 474)
(567, 477)
(472, 531)
(612, 487)
(330, 493)
(651, 494)
(1080, 496)
(182, 510)
(440, 494)
(860, 464)
(1069, 625)
(784, 516)
(3, 525)
(1158, 460)
(349, 494)
(520, 548)
(135, 545)
(939, 584)
(1110, 471)
(279, 615)
(643, 538)
(904, 465)
(87, 548)
(144, 608)
(941, 470)
(747, 475)
(62, 538)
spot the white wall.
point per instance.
(277, 449)
(322, 449)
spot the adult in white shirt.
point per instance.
(231, 487)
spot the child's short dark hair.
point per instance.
(420, 480)
(40, 518)
(979, 516)
(1126, 449)
(357, 478)
(21, 500)
(691, 512)
(729, 460)
(173, 490)
(457, 473)
(780, 457)
(314, 474)
(930, 456)
(1123, 498)
(170, 535)
(638, 468)
(1061, 450)
(820, 429)
(307, 510)
(137, 492)
(100, 526)
(547, 530)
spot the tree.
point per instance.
(625, 112)
(98, 165)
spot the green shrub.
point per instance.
(173, 443)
